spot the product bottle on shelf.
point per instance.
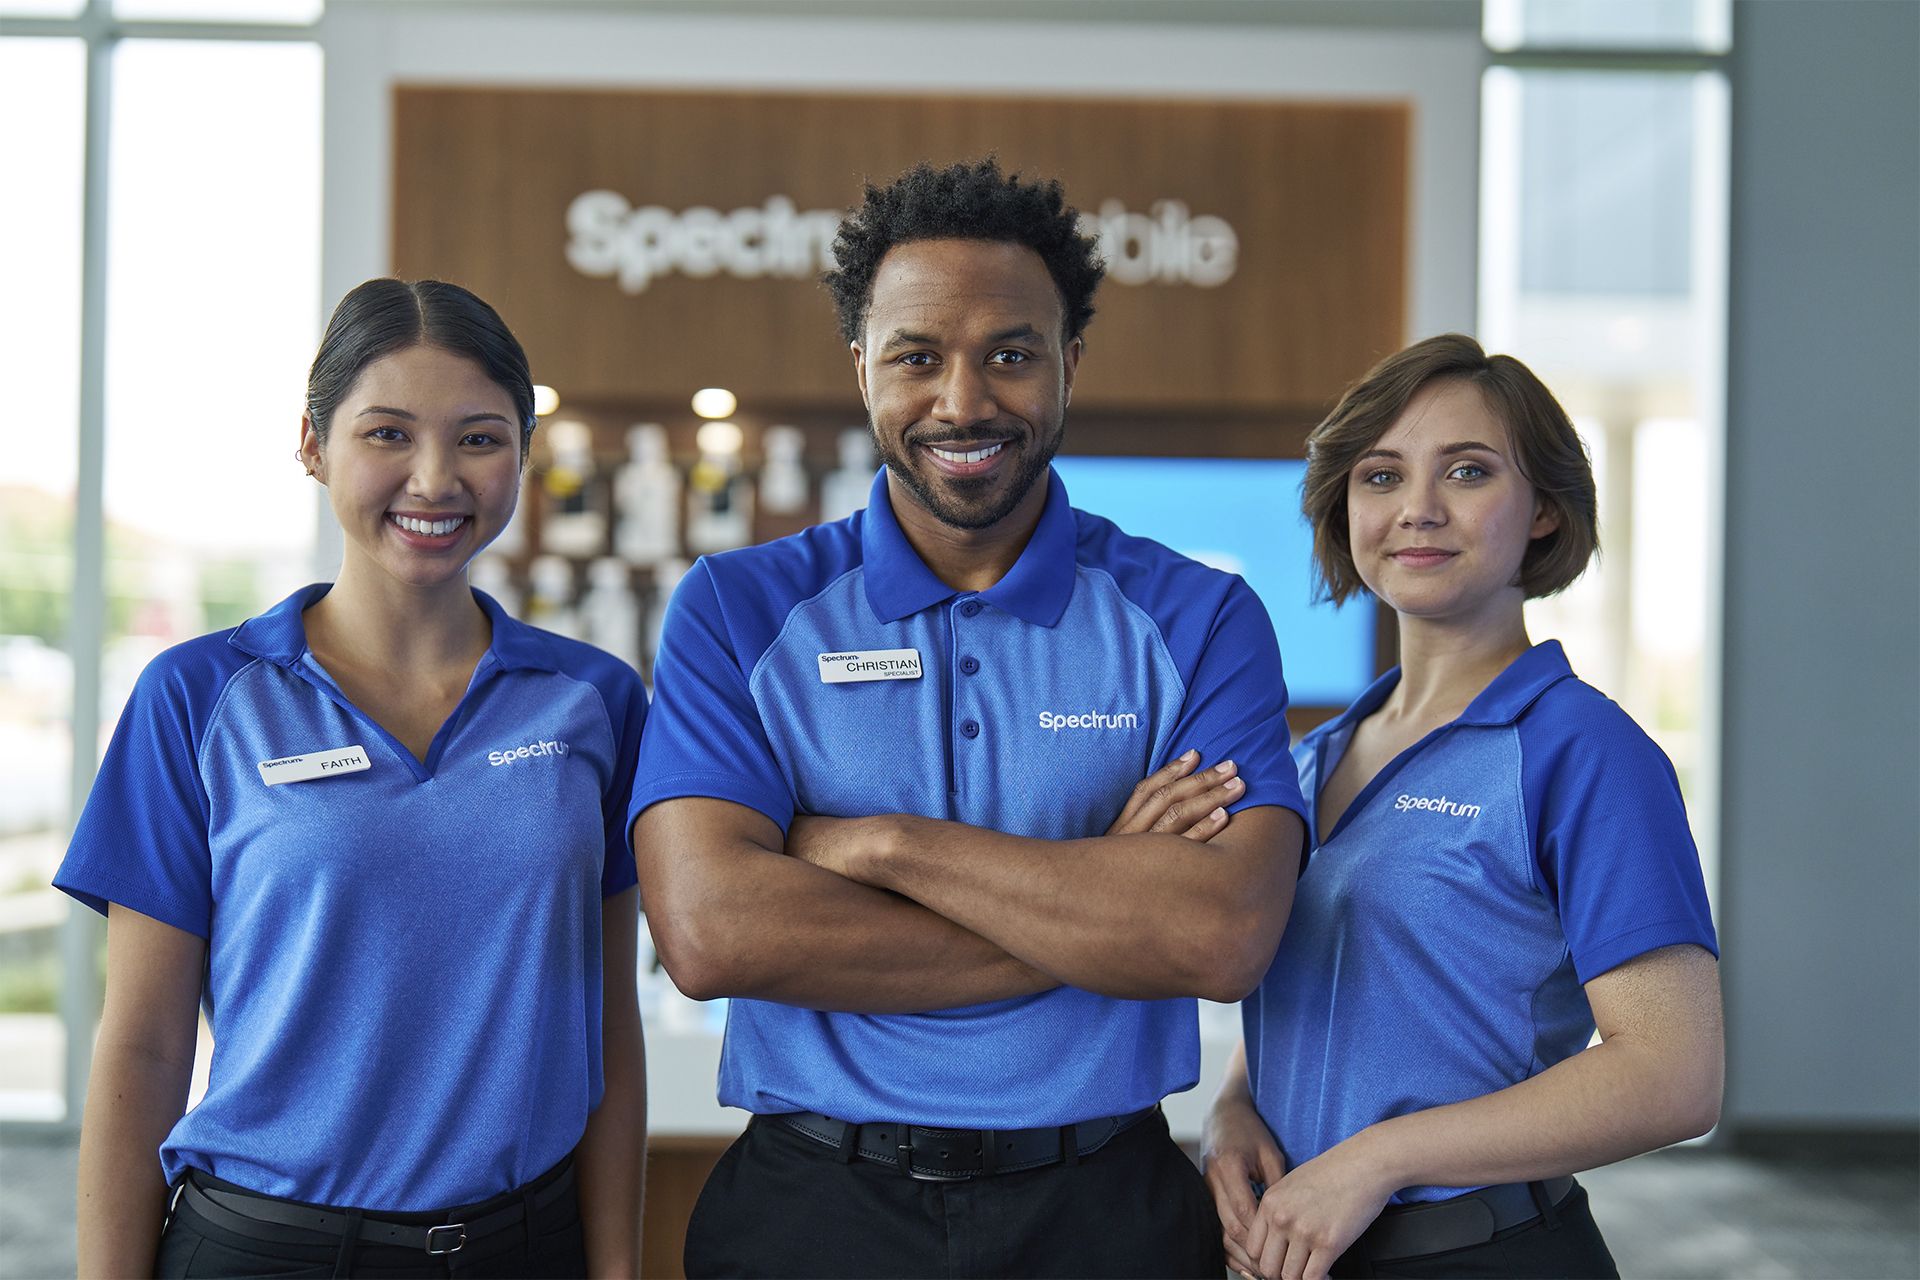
(646, 495)
(844, 491)
(573, 522)
(719, 497)
(783, 477)
(551, 601)
(493, 575)
(609, 612)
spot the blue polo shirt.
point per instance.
(404, 963)
(1039, 704)
(1440, 937)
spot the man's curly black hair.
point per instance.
(964, 201)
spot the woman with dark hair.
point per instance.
(1499, 862)
(379, 831)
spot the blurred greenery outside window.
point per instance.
(212, 240)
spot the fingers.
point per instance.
(1229, 1178)
(1272, 1254)
(1273, 1165)
(1286, 1252)
(1204, 815)
(1259, 1236)
(1237, 1259)
(1294, 1265)
(1194, 801)
(1132, 820)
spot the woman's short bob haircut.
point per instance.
(1545, 447)
(383, 316)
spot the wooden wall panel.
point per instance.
(1317, 194)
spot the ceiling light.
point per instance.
(714, 402)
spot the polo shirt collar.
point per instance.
(1502, 702)
(278, 635)
(1036, 589)
(1515, 689)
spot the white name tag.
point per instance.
(873, 664)
(319, 764)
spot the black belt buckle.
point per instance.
(905, 1148)
(433, 1243)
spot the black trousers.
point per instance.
(779, 1204)
(1565, 1243)
(546, 1246)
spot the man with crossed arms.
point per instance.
(877, 794)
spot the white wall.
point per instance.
(1821, 785)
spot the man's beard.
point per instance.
(970, 503)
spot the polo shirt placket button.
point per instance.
(970, 728)
(970, 608)
(969, 665)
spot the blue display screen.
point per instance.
(1241, 515)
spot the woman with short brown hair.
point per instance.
(1499, 862)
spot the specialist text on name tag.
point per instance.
(316, 764)
(872, 664)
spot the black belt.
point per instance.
(954, 1155)
(236, 1210)
(1411, 1230)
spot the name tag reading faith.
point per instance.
(319, 764)
(874, 664)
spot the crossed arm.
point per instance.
(902, 914)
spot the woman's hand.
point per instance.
(1239, 1154)
(1309, 1218)
(1175, 799)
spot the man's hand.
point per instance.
(1310, 1217)
(1238, 1153)
(1175, 799)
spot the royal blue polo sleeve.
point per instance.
(1236, 704)
(1611, 843)
(704, 737)
(142, 838)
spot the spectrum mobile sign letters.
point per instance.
(642, 243)
(608, 236)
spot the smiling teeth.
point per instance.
(432, 528)
(976, 455)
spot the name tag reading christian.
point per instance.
(319, 764)
(874, 664)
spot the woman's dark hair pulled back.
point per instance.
(383, 316)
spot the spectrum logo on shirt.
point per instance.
(1055, 721)
(532, 751)
(1436, 804)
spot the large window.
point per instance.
(162, 282)
(42, 99)
(1603, 266)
